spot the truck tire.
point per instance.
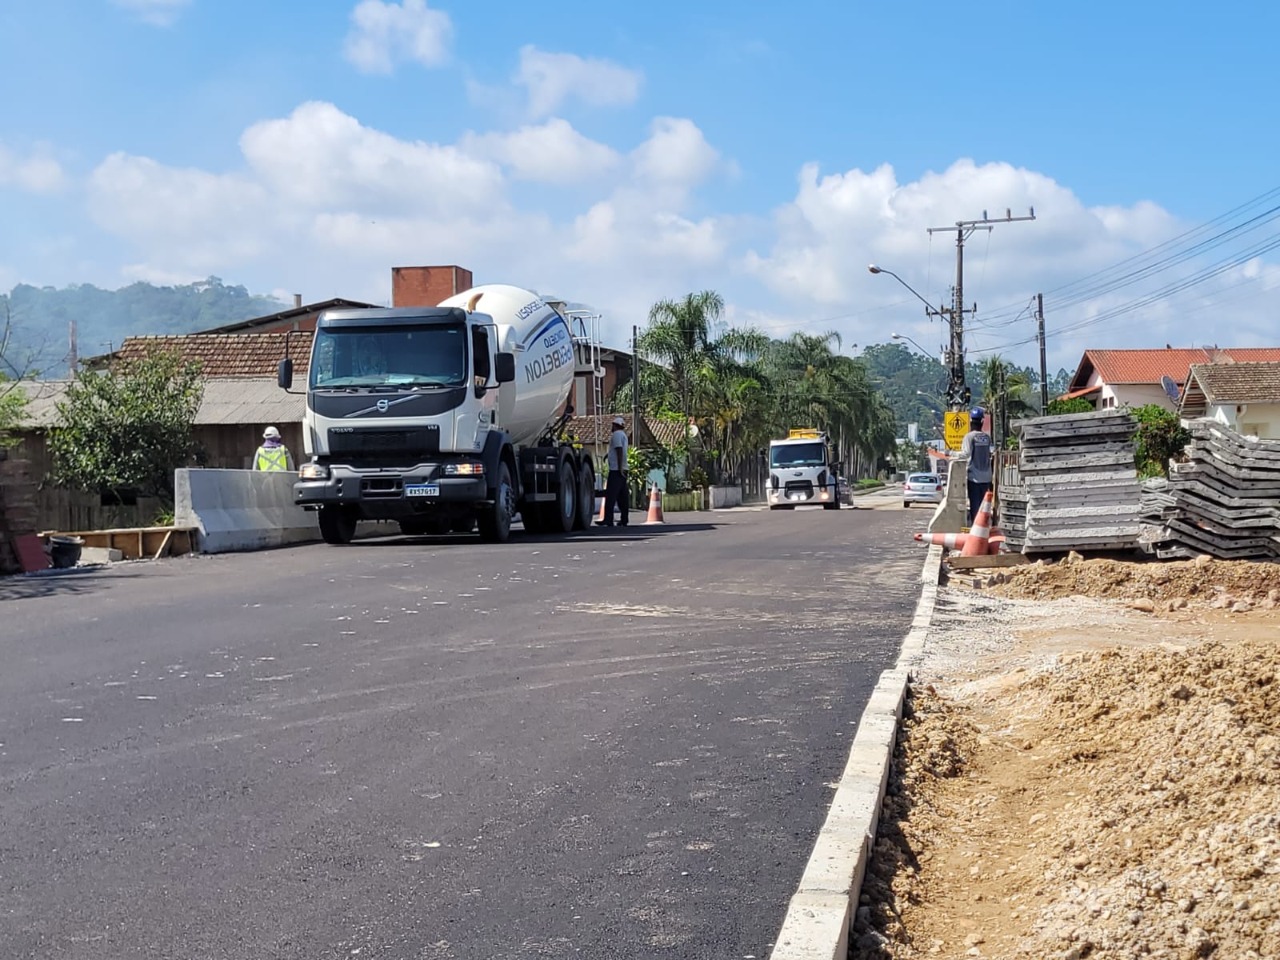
(566, 505)
(831, 506)
(495, 519)
(586, 497)
(337, 525)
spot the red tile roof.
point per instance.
(226, 354)
(1148, 366)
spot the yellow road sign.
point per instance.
(955, 425)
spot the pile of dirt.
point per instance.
(1120, 800)
(1201, 581)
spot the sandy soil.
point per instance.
(1082, 777)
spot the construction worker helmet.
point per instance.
(271, 433)
(977, 414)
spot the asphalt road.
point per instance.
(610, 746)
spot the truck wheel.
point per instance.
(831, 506)
(566, 513)
(337, 525)
(586, 498)
(495, 519)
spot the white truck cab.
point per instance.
(801, 472)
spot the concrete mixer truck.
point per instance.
(444, 418)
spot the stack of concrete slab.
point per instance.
(1079, 483)
(1224, 500)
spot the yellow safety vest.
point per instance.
(277, 459)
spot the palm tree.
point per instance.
(699, 365)
(1006, 393)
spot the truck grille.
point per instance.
(373, 443)
(802, 487)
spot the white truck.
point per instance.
(801, 472)
(444, 418)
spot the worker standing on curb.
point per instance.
(615, 489)
(977, 447)
(273, 455)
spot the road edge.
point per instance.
(818, 919)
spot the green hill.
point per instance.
(40, 317)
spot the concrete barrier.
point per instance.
(952, 514)
(241, 509)
(722, 497)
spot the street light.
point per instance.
(903, 336)
(929, 309)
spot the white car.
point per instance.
(922, 488)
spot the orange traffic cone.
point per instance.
(980, 533)
(655, 506)
(603, 501)
(952, 541)
(995, 543)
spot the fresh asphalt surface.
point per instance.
(617, 745)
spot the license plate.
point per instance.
(422, 490)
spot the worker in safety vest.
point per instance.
(273, 454)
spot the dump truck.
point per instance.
(801, 471)
(445, 419)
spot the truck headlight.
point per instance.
(464, 469)
(313, 471)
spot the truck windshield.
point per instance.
(798, 455)
(410, 356)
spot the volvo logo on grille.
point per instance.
(382, 406)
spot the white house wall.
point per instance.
(1255, 419)
(1136, 395)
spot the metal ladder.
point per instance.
(584, 327)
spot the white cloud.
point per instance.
(676, 155)
(325, 205)
(190, 221)
(384, 34)
(552, 152)
(319, 157)
(158, 13)
(553, 78)
(37, 172)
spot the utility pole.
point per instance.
(635, 384)
(1044, 372)
(958, 394)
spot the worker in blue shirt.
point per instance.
(977, 447)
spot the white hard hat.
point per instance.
(619, 421)
(271, 433)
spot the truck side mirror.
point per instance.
(284, 374)
(504, 367)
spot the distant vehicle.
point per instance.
(801, 471)
(922, 488)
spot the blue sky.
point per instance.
(618, 154)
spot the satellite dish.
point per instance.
(1170, 387)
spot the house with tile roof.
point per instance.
(1134, 378)
(1242, 396)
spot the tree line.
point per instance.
(739, 388)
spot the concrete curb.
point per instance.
(820, 914)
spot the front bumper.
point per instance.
(801, 495)
(380, 492)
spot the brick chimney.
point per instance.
(427, 286)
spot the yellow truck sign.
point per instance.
(804, 433)
(955, 424)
